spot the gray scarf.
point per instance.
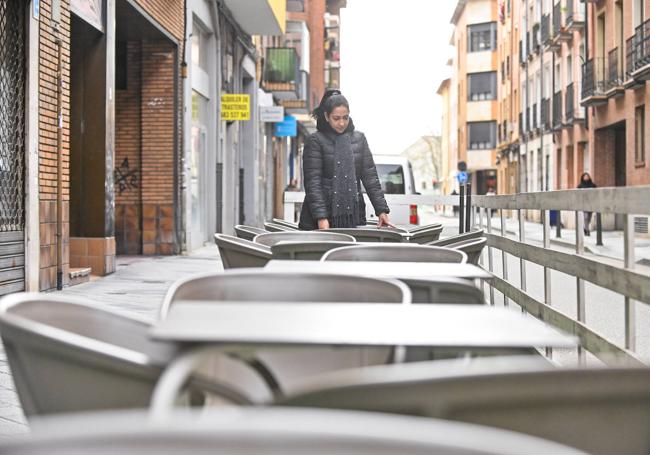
(345, 202)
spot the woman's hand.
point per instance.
(323, 223)
(383, 221)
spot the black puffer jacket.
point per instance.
(318, 169)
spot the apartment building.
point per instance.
(448, 163)
(475, 67)
(508, 131)
(536, 60)
(614, 90)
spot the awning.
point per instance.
(259, 17)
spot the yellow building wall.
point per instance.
(279, 8)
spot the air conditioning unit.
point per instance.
(641, 224)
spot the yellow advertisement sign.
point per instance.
(235, 107)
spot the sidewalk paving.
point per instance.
(138, 286)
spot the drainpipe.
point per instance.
(541, 92)
(586, 55)
(216, 20)
(179, 173)
(59, 159)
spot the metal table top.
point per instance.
(355, 324)
(403, 270)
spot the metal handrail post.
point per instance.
(461, 211)
(546, 226)
(522, 239)
(504, 255)
(630, 305)
(468, 207)
(490, 258)
(580, 284)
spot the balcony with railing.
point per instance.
(573, 112)
(630, 61)
(575, 14)
(301, 105)
(557, 110)
(639, 53)
(281, 72)
(545, 114)
(560, 31)
(614, 73)
(535, 35)
(528, 128)
(594, 82)
(546, 30)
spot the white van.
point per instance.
(396, 177)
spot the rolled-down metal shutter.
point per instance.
(12, 146)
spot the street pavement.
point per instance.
(140, 282)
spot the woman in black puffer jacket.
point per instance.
(336, 160)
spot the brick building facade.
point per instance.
(118, 192)
(47, 141)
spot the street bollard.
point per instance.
(461, 211)
(599, 230)
(468, 208)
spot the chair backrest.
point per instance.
(274, 227)
(370, 234)
(425, 227)
(236, 252)
(258, 285)
(394, 253)
(285, 223)
(67, 356)
(248, 232)
(471, 247)
(271, 238)
(445, 290)
(304, 251)
(458, 237)
(425, 236)
(600, 411)
(270, 431)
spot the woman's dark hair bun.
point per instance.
(332, 98)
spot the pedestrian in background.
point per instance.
(586, 182)
(336, 160)
(455, 208)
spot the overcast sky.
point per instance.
(393, 56)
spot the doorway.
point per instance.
(620, 177)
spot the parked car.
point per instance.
(396, 177)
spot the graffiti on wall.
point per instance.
(125, 177)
